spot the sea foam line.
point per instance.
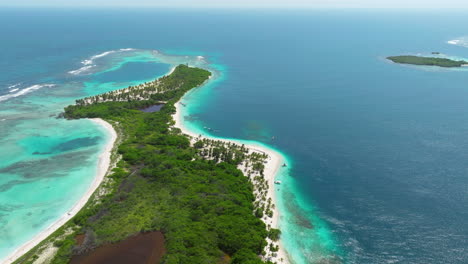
(454, 42)
(25, 91)
(89, 63)
(461, 41)
(14, 86)
(82, 69)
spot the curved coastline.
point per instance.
(101, 171)
(272, 169)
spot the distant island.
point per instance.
(428, 61)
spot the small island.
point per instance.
(427, 61)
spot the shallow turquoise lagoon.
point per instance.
(48, 163)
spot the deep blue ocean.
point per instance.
(378, 152)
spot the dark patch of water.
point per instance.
(153, 108)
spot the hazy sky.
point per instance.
(247, 3)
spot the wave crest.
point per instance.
(12, 87)
(24, 91)
(462, 41)
(88, 64)
(82, 69)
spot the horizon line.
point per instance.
(236, 7)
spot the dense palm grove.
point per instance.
(162, 88)
(196, 196)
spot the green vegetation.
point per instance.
(274, 234)
(164, 88)
(429, 61)
(195, 195)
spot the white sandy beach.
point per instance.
(103, 166)
(275, 161)
(171, 71)
(272, 167)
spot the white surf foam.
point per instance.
(461, 41)
(81, 70)
(14, 85)
(89, 63)
(25, 91)
(14, 90)
(102, 54)
(453, 42)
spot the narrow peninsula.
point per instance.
(428, 61)
(171, 197)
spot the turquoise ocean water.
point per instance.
(377, 152)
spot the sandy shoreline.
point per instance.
(272, 167)
(103, 166)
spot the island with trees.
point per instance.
(186, 197)
(427, 61)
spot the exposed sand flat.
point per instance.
(275, 161)
(103, 166)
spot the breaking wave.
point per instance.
(89, 63)
(15, 93)
(12, 87)
(81, 70)
(462, 41)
